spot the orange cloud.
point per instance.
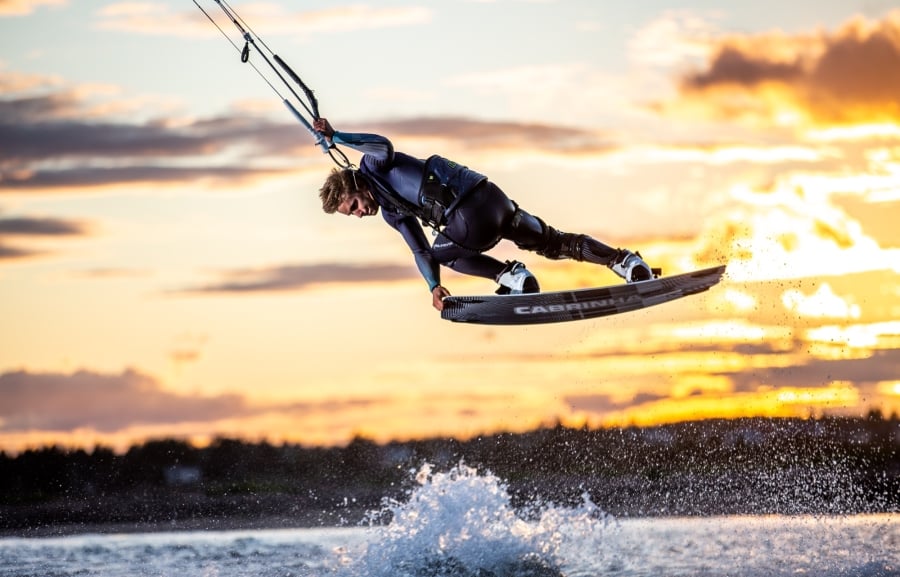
(792, 230)
(25, 7)
(12, 81)
(845, 77)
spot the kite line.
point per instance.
(307, 102)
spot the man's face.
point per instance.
(359, 203)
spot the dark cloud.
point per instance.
(861, 68)
(64, 402)
(490, 134)
(41, 226)
(30, 109)
(296, 277)
(42, 131)
(113, 402)
(54, 127)
(849, 75)
(59, 139)
(880, 366)
(605, 403)
(122, 154)
(732, 66)
(34, 227)
(112, 176)
(69, 139)
(10, 252)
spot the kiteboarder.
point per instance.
(469, 213)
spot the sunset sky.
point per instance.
(166, 268)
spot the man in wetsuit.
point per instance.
(471, 213)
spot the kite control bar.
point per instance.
(308, 101)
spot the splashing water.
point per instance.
(461, 523)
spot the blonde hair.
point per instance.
(339, 184)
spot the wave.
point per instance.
(461, 523)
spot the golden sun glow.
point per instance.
(788, 402)
(822, 304)
(857, 132)
(721, 140)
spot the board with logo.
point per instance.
(579, 304)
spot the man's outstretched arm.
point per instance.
(373, 144)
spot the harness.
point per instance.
(437, 194)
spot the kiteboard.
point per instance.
(579, 304)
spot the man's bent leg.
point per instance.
(512, 276)
(478, 265)
(475, 226)
(531, 233)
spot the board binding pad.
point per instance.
(579, 304)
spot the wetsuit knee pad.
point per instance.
(529, 232)
(561, 245)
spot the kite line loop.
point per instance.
(307, 102)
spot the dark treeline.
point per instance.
(744, 466)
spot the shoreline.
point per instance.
(307, 520)
(314, 521)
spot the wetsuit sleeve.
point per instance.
(418, 243)
(380, 152)
(375, 145)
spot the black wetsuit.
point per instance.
(477, 218)
(475, 221)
